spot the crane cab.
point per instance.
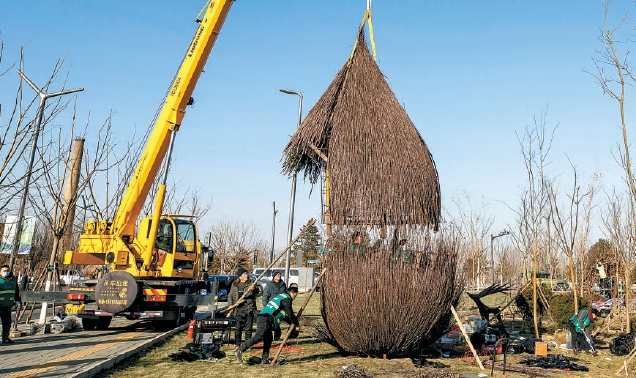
(176, 250)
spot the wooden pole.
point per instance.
(28, 319)
(300, 311)
(70, 195)
(626, 361)
(472, 348)
(246, 293)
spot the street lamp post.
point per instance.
(292, 200)
(492, 255)
(271, 251)
(34, 143)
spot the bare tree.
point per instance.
(55, 208)
(509, 265)
(185, 201)
(572, 224)
(232, 242)
(189, 203)
(17, 134)
(521, 234)
(617, 220)
(535, 143)
(473, 223)
(614, 74)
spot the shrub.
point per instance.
(562, 307)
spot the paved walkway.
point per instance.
(77, 353)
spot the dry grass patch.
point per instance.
(308, 357)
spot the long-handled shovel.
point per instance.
(300, 312)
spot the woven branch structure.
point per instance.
(376, 303)
(381, 171)
(376, 300)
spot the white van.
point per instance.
(293, 273)
(303, 277)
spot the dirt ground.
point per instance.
(308, 357)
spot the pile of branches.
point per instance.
(373, 305)
(352, 371)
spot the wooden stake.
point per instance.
(472, 348)
(300, 311)
(627, 359)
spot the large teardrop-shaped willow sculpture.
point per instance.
(381, 177)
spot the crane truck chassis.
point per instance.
(154, 265)
(168, 303)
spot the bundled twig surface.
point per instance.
(377, 299)
(380, 167)
(375, 305)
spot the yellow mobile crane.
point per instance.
(155, 269)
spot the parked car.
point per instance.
(261, 283)
(268, 275)
(225, 281)
(562, 286)
(303, 277)
(224, 284)
(319, 286)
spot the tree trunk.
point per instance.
(628, 285)
(573, 278)
(534, 293)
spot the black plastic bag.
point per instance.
(623, 344)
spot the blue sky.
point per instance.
(470, 74)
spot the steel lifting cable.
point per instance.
(206, 6)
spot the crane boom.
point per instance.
(170, 117)
(120, 244)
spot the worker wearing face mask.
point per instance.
(9, 296)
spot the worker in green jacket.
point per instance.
(277, 309)
(579, 325)
(9, 296)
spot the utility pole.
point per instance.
(34, 143)
(292, 199)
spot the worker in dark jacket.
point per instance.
(279, 308)
(9, 296)
(277, 286)
(244, 312)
